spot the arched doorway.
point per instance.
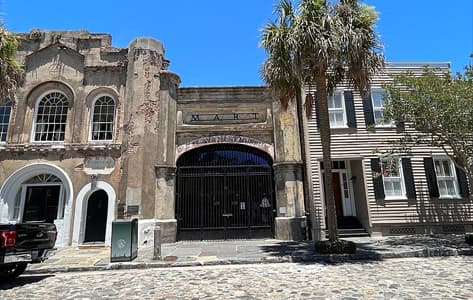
(96, 218)
(38, 192)
(224, 191)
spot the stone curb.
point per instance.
(309, 258)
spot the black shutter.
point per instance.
(316, 108)
(377, 179)
(462, 183)
(368, 109)
(431, 177)
(350, 109)
(408, 178)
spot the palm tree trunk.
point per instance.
(322, 106)
(307, 171)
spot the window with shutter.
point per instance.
(446, 178)
(336, 110)
(377, 179)
(378, 103)
(393, 182)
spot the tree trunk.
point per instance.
(307, 173)
(324, 130)
(469, 176)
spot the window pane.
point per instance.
(450, 187)
(377, 97)
(339, 118)
(51, 117)
(331, 102)
(438, 168)
(446, 168)
(338, 100)
(103, 119)
(5, 110)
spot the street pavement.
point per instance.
(405, 278)
(201, 253)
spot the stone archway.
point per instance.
(80, 212)
(225, 191)
(12, 196)
(225, 139)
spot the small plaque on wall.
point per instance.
(133, 209)
(99, 163)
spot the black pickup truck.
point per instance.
(21, 244)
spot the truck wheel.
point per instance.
(13, 272)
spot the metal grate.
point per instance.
(224, 191)
(402, 230)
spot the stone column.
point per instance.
(290, 223)
(149, 139)
(165, 202)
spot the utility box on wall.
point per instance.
(124, 240)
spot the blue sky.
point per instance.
(215, 42)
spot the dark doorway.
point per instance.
(41, 203)
(224, 191)
(337, 193)
(96, 218)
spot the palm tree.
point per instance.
(321, 44)
(10, 72)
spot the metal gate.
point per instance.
(224, 191)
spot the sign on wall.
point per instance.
(195, 118)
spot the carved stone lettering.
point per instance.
(225, 118)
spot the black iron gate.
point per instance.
(224, 192)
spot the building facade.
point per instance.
(419, 191)
(97, 133)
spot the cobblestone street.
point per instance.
(411, 278)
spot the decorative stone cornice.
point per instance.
(30, 148)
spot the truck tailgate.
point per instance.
(35, 236)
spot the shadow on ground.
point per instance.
(22, 280)
(375, 249)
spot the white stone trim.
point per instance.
(13, 184)
(225, 139)
(81, 211)
(35, 115)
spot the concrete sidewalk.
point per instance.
(198, 253)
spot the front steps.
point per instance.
(350, 227)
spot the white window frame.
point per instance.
(443, 178)
(5, 106)
(338, 109)
(400, 179)
(35, 115)
(91, 119)
(378, 122)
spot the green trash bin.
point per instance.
(124, 240)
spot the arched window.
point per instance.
(5, 110)
(103, 116)
(51, 116)
(41, 199)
